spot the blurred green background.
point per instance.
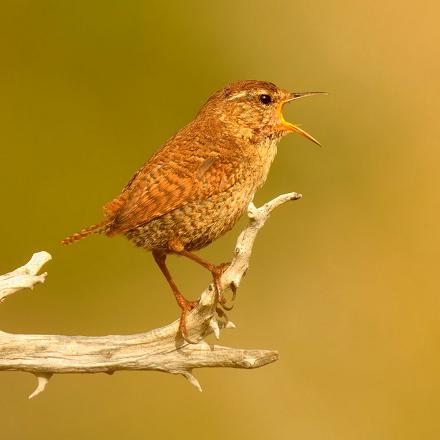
(344, 283)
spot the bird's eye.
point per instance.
(265, 99)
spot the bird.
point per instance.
(200, 182)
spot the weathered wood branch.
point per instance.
(25, 276)
(161, 349)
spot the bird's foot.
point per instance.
(186, 307)
(223, 267)
(217, 273)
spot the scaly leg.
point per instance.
(216, 272)
(184, 304)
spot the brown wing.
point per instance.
(170, 179)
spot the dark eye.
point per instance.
(265, 99)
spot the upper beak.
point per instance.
(297, 95)
(288, 126)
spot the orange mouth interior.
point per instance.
(289, 127)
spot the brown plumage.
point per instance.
(199, 183)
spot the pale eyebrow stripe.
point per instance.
(245, 92)
(237, 95)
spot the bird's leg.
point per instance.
(183, 303)
(216, 272)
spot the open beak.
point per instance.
(288, 126)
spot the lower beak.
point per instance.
(288, 126)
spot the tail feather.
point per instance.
(94, 229)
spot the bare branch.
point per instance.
(25, 276)
(161, 349)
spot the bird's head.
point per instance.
(254, 109)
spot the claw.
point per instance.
(233, 287)
(222, 299)
(228, 308)
(222, 314)
(222, 302)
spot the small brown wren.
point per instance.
(194, 188)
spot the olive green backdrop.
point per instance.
(344, 283)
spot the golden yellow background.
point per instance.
(344, 283)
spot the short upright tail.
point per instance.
(94, 229)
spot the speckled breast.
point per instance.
(196, 224)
